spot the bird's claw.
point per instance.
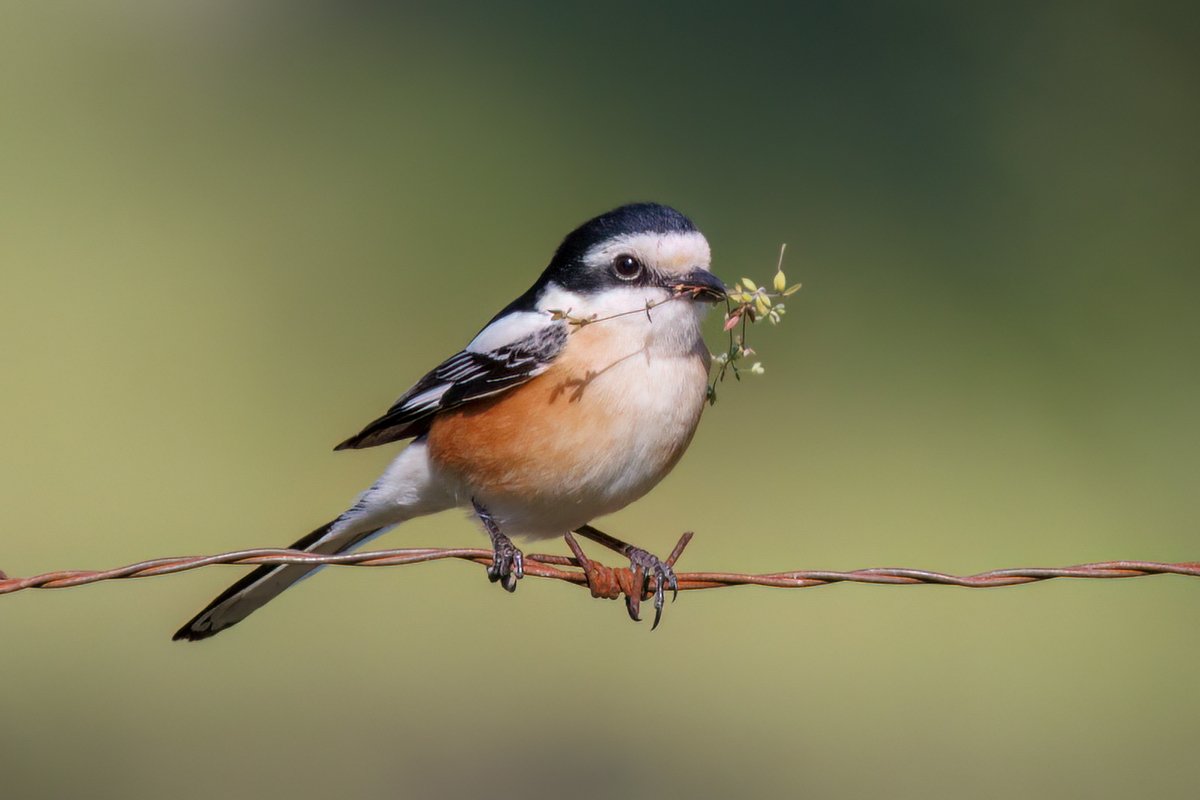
(508, 563)
(655, 575)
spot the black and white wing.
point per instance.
(511, 350)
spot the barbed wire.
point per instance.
(604, 581)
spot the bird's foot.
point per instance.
(656, 575)
(508, 563)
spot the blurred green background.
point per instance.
(231, 233)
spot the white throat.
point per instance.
(644, 316)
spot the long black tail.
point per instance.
(263, 584)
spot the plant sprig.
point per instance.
(746, 304)
(579, 322)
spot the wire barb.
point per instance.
(604, 581)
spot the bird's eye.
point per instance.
(627, 267)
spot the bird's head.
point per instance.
(642, 250)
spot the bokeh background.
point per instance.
(231, 233)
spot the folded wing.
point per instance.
(510, 351)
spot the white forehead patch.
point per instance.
(664, 252)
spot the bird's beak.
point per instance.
(702, 284)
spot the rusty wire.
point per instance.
(604, 581)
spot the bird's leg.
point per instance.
(508, 563)
(656, 573)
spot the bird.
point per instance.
(574, 401)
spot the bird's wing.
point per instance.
(511, 350)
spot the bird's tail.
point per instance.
(266, 582)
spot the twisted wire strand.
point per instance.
(604, 581)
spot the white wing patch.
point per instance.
(509, 329)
